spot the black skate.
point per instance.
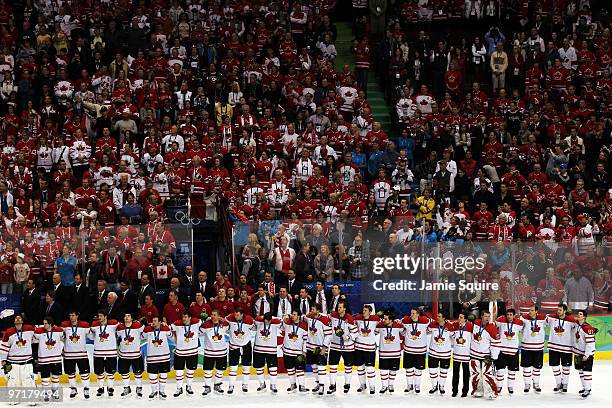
(230, 390)
(206, 390)
(585, 394)
(362, 388)
(189, 390)
(510, 391)
(564, 389)
(303, 389)
(316, 388)
(139, 392)
(73, 392)
(178, 393)
(347, 388)
(409, 388)
(292, 389)
(383, 390)
(126, 391)
(100, 392)
(537, 389)
(218, 388)
(110, 391)
(322, 390)
(391, 389)
(434, 390)
(442, 392)
(273, 389)
(162, 395)
(417, 390)
(372, 391)
(527, 388)
(153, 395)
(245, 388)
(262, 387)
(86, 392)
(332, 390)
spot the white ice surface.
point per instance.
(601, 395)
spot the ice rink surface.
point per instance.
(601, 395)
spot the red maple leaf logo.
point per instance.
(157, 342)
(509, 334)
(365, 331)
(389, 338)
(559, 330)
(50, 343)
(189, 335)
(74, 338)
(103, 336)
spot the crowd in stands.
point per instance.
(114, 110)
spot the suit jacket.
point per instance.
(184, 281)
(63, 296)
(56, 311)
(294, 290)
(99, 302)
(297, 305)
(128, 302)
(32, 306)
(334, 307)
(208, 291)
(278, 308)
(81, 301)
(115, 312)
(144, 292)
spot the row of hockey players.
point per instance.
(476, 348)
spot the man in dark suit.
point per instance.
(128, 301)
(114, 308)
(145, 289)
(62, 293)
(32, 303)
(187, 279)
(282, 304)
(80, 298)
(99, 296)
(92, 271)
(303, 303)
(183, 297)
(53, 308)
(201, 284)
(334, 298)
(293, 285)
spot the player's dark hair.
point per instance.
(563, 306)
(49, 320)
(103, 312)
(238, 309)
(369, 307)
(511, 311)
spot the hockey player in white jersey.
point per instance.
(16, 355)
(365, 348)
(214, 331)
(462, 341)
(484, 349)
(441, 333)
(129, 334)
(508, 327)
(295, 337)
(267, 330)
(240, 328)
(415, 348)
(560, 346)
(389, 334)
(584, 351)
(104, 333)
(532, 348)
(75, 353)
(342, 346)
(185, 333)
(319, 339)
(50, 348)
(157, 335)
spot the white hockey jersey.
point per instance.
(75, 339)
(129, 339)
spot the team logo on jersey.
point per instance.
(128, 339)
(292, 336)
(460, 340)
(265, 334)
(535, 331)
(365, 332)
(74, 338)
(157, 342)
(415, 334)
(509, 335)
(188, 336)
(103, 337)
(50, 344)
(217, 337)
(439, 339)
(477, 336)
(313, 331)
(389, 339)
(559, 331)
(21, 343)
(239, 334)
